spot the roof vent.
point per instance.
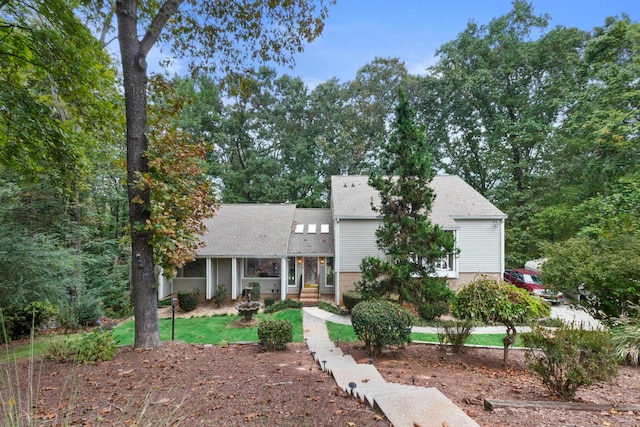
(352, 185)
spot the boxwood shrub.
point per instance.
(379, 323)
(189, 300)
(350, 299)
(275, 334)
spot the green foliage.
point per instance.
(255, 291)
(331, 308)
(412, 244)
(20, 320)
(275, 334)
(351, 298)
(626, 337)
(431, 310)
(189, 300)
(606, 267)
(97, 346)
(380, 323)
(88, 308)
(269, 301)
(220, 297)
(489, 299)
(455, 332)
(568, 359)
(282, 305)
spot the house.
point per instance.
(293, 252)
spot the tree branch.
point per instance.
(168, 9)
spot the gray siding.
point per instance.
(357, 241)
(480, 246)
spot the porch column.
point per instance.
(234, 278)
(284, 277)
(336, 261)
(209, 285)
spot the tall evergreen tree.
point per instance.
(412, 243)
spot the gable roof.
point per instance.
(351, 198)
(248, 230)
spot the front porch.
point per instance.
(307, 278)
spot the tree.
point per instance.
(488, 299)
(600, 134)
(412, 244)
(218, 37)
(493, 103)
(603, 259)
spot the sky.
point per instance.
(357, 31)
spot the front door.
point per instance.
(310, 272)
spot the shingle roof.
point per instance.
(351, 197)
(249, 230)
(315, 243)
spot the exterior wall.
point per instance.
(221, 268)
(357, 240)
(347, 282)
(186, 284)
(480, 244)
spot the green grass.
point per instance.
(196, 330)
(346, 334)
(217, 329)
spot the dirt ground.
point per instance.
(240, 385)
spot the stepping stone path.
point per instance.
(403, 405)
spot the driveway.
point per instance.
(575, 315)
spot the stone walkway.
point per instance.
(403, 405)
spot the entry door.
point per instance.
(311, 272)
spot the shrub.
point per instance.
(97, 346)
(220, 296)
(59, 350)
(269, 301)
(431, 310)
(282, 305)
(67, 318)
(455, 332)
(88, 309)
(19, 319)
(331, 308)
(275, 334)
(188, 301)
(626, 337)
(490, 299)
(255, 291)
(380, 323)
(351, 299)
(567, 359)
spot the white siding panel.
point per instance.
(357, 241)
(480, 246)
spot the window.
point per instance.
(262, 267)
(195, 268)
(329, 272)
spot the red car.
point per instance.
(530, 280)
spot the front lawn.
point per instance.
(216, 329)
(345, 333)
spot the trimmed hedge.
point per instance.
(281, 305)
(275, 334)
(188, 301)
(379, 323)
(351, 299)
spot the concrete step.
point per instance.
(426, 407)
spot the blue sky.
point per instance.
(357, 31)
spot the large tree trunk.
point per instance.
(134, 70)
